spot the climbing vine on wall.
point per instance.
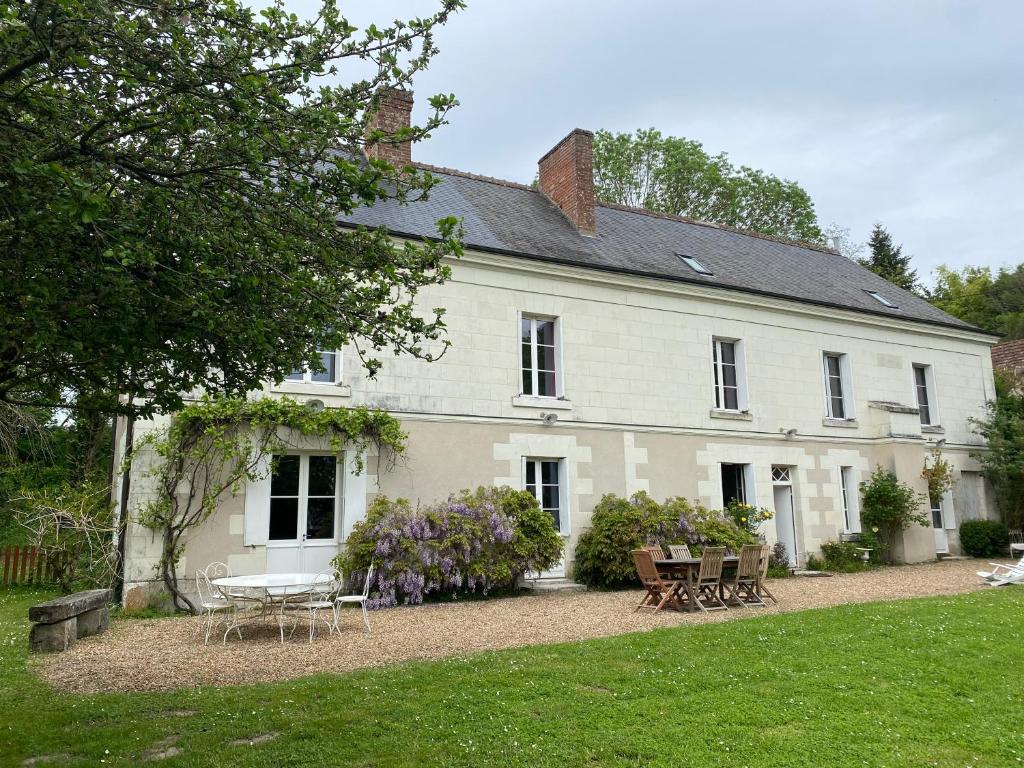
(213, 447)
(939, 474)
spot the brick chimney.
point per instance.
(394, 114)
(567, 178)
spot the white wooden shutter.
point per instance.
(948, 513)
(354, 509)
(257, 506)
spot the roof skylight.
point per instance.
(695, 265)
(880, 298)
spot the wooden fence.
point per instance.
(25, 564)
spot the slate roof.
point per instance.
(516, 220)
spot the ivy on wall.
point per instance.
(213, 447)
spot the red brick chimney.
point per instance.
(567, 178)
(394, 114)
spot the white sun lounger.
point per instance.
(1004, 574)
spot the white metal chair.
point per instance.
(1002, 574)
(342, 600)
(321, 597)
(211, 600)
(1016, 542)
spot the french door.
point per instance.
(303, 520)
(544, 478)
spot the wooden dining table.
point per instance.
(686, 569)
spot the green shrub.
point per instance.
(983, 538)
(620, 525)
(889, 507)
(842, 556)
(778, 562)
(815, 563)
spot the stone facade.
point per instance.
(635, 409)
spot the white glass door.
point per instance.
(785, 513)
(303, 520)
(938, 528)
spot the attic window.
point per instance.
(880, 299)
(695, 265)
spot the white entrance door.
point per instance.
(785, 515)
(303, 521)
(545, 479)
(938, 528)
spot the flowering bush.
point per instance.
(747, 516)
(620, 525)
(474, 542)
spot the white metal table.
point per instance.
(262, 591)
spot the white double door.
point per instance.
(305, 509)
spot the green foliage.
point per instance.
(938, 473)
(477, 541)
(815, 563)
(890, 507)
(170, 180)
(212, 447)
(842, 556)
(619, 525)
(676, 175)
(778, 562)
(887, 260)
(747, 516)
(992, 301)
(1002, 428)
(983, 538)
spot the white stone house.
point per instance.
(599, 349)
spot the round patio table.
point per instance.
(257, 594)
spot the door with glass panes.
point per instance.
(304, 511)
(544, 478)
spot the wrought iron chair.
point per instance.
(322, 596)
(360, 600)
(212, 601)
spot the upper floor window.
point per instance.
(729, 376)
(838, 403)
(331, 374)
(925, 396)
(539, 356)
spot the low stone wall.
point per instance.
(58, 623)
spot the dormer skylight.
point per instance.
(880, 299)
(695, 265)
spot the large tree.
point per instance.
(676, 175)
(170, 178)
(887, 260)
(991, 301)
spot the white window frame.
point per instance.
(849, 493)
(929, 387)
(307, 372)
(749, 490)
(533, 318)
(302, 511)
(718, 380)
(563, 488)
(845, 381)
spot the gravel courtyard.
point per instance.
(161, 654)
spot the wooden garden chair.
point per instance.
(680, 552)
(656, 551)
(762, 575)
(742, 586)
(709, 579)
(660, 591)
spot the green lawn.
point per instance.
(915, 683)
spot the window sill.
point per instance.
(934, 429)
(317, 389)
(719, 413)
(842, 423)
(551, 403)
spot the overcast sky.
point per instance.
(906, 113)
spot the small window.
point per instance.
(925, 397)
(539, 347)
(851, 501)
(880, 299)
(735, 485)
(544, 481)
(728, 374)
(837, 386)
(781, 474)
(695, 265)
(331, 373)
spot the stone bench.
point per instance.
(58, 623)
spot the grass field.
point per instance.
(930, 682)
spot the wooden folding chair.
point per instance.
(680, 551)
(762, 575)
(656, 551)
(660, 591)
(742, 586)
(709, 579)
